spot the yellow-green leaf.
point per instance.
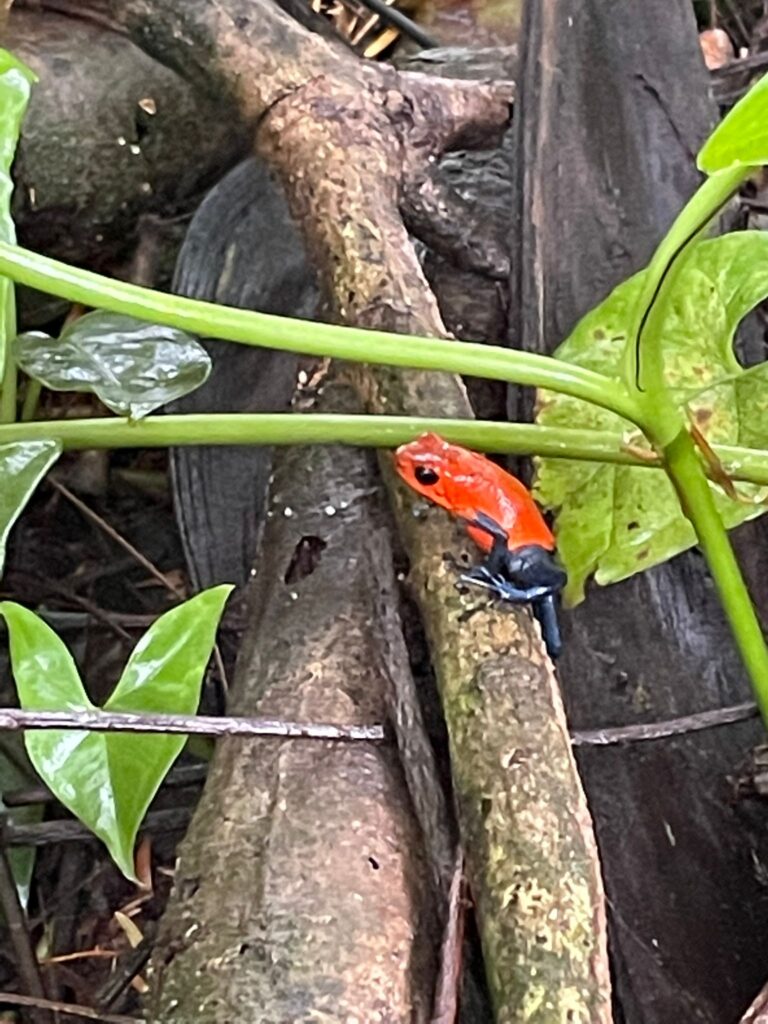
(614, 521)
(741, 138)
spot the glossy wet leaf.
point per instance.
(133, 366)
(16, 81)
(23, 464)
(741, 138)
(615, 521)
(109, 779)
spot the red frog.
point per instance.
(501, 517)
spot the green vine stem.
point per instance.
(667, 431)
(684, 468)
(316, 339)
(745, 464)
(8, 389)
(31, 398)
(10, 373)
(323, 428)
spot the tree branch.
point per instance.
(75, 1009)
(346, 138)
(13, 720)
(670, 727)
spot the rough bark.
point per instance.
(91, 159)
(314, 900)
(613, 106)
(347, 139)
(466, 226)
(520, 894)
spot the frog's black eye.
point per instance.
(426, 476)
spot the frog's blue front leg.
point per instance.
(483, 576)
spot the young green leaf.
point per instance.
(23, 464)
(109, 779)
(16, 81)
(741, 138)
(618, 520)
(133, 366)
(163, 674)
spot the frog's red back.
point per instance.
(465, 483)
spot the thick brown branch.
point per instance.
(306, 856)
(451, 226)
(313, 102)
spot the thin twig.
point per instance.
(49, 586)
(734, 12)
(14, 999)
(129, 965)
(755, 62)
(222, 672)
(62, 619)
(82, 954)
(177, 591)
(18, 930)
(118, 538)
(12, 719)
(66, 830)
(746, 67)
(178, 777)
(670, 727)
(403, 22)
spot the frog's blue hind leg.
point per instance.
(541, 599)
(545, 610)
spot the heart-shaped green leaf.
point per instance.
(16, 81)
(22, 466)
(133, 366)
(618, 520)
(109, 779)
(741, 138)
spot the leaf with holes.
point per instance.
(613, 520)
(109, 779)
(133, 366)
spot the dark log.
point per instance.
(612, 107)
(242, 249)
